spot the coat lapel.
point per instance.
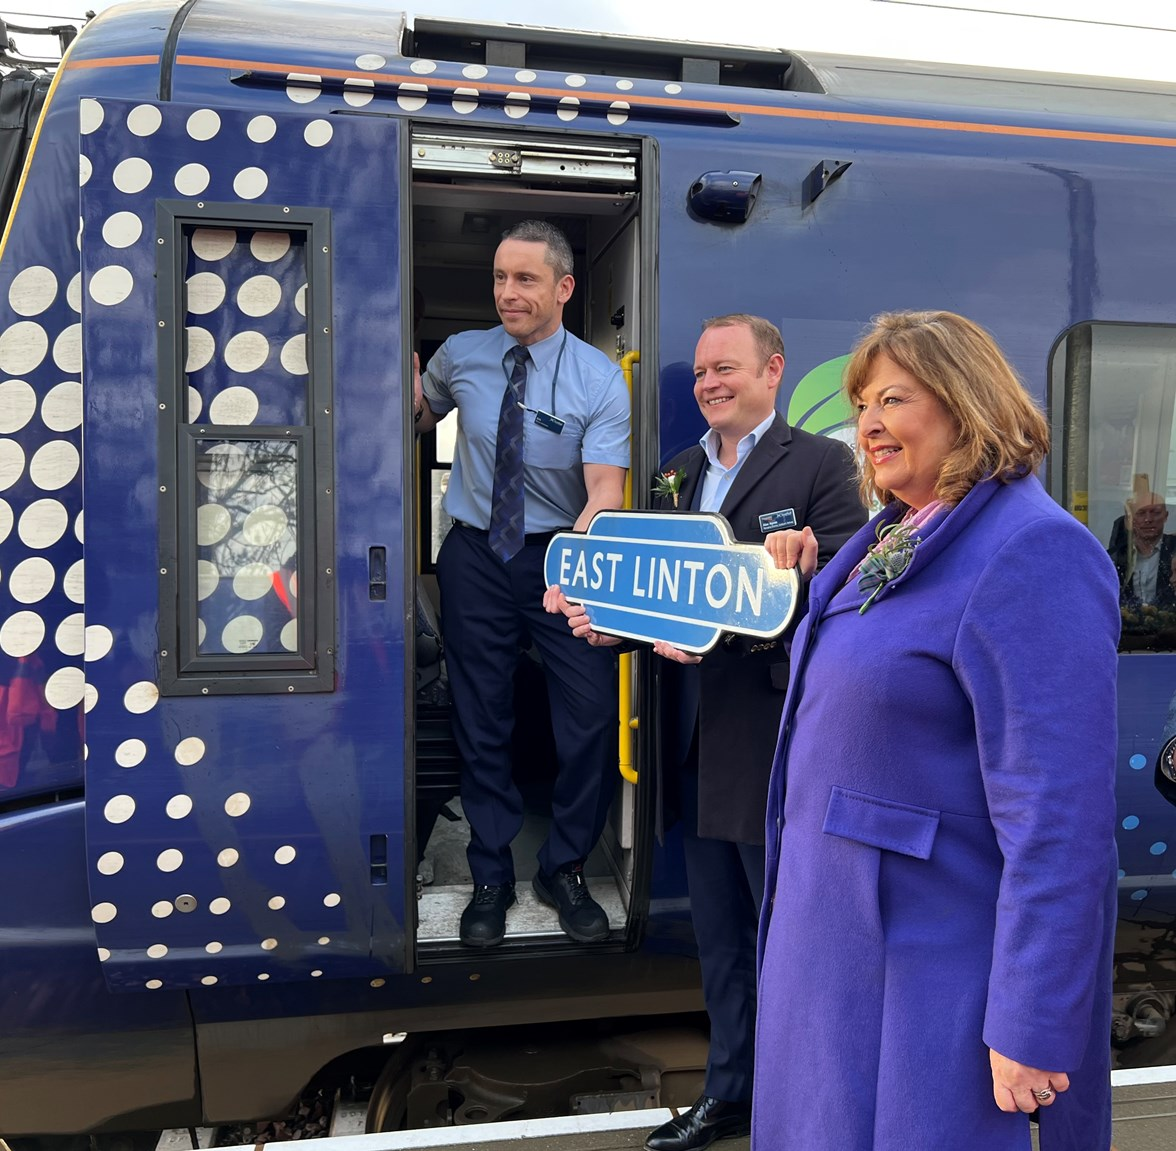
(943, 530)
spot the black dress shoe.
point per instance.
(483, 923)
(579, 914)
(709, 1119)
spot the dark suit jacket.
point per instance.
(737, 692)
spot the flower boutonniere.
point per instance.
(887, 559)
(669, 484)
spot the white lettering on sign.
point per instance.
(571, 577)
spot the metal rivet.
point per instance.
(204, 691)
(475, 977)
(290, 688)
(326, 411)
(286, 210)
(163, 407)
(185, 903)
(160, 240)
(427, 979)
(163, 654)
(325, 248)
(326, 331)
(163, 571)
(328, 571)
(199, 203)
(163, 487)
(162, 324)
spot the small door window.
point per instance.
(245, 450)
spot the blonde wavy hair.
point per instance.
(1001, 433)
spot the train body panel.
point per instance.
(230, 677)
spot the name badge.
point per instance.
(550, 422)
(777, 521)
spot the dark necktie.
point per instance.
(506, 502)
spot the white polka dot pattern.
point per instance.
(165, 798)
(70, 637)
(144, 120)
(190, 751)
(21, 634)
(22, 347)
(18, 404)
(130, 753)
(358, 92)
(32, 291)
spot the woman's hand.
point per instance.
(1019, 1087)
(555, 602)
(794, 549)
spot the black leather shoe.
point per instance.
(579, 914)
(709, 1119)
(483, 923)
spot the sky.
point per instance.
(1124, 39)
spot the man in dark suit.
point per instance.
(720, 714)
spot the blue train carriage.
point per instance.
(227, 773)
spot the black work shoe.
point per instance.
(483, 923)
(579, 914)
(709, 1119)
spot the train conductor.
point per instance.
(542, 445)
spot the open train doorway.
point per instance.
(467, 189)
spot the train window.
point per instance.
(244, 450)
(1114, 388)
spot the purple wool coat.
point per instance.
(941, 863)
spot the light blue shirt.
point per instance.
(718, 479)
(470, 372)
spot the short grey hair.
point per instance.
(559, 251)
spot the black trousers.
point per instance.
(487, 608)
(726, 884)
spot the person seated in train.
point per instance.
(940, 904)
(1143, 554)
(720, 713)
(542, 445)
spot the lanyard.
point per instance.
(554, 376)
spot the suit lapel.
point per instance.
(770, 450)
(691, 489)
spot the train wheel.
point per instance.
(388, 1107)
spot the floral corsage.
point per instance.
(669, 484)
(887, 559)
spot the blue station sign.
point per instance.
(674, 576)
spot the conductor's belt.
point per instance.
(531, 539)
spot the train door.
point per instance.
(466, 189)
(244, 482)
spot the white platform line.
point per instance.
(1134, 1076)
(508, 1131)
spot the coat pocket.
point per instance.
(883, 823)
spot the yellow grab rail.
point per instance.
(627, 721)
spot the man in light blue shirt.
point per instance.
(574, 440)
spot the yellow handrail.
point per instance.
(627, 721)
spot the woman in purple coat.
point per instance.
(936, 938)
